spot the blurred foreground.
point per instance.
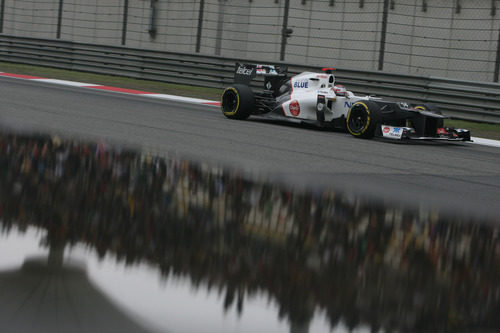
(362, 264)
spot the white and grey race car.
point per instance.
(315, 98)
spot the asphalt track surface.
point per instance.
(459, 178)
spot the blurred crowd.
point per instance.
(357, 260)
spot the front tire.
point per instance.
(237, 102)
(432, 108)
(362, 119)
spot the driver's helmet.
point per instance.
(339, 90)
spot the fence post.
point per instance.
(2, 9)
(200, 26)
(125, 19)
(59, 18)
(220, 27)
(284, 30)
(497, 63)
(385, 16)
(152, 18)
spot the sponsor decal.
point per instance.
(321, 76)
(392, 132)
(301, 84)
(244, 71)
(347, 104)
(266, 69)
(294, 108)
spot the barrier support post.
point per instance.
(125, 19)
(59, 17)
(284, 30)
(385, 16)
(200, 26)
(497, 62)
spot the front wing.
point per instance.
(407, 133)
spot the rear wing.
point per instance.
(244, 73)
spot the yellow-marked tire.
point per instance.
(427, 107)
(362, 119)
(432, 108)
(237, 102)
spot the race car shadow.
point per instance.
(315, 127)
(296, 124)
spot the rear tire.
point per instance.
(362, 119)
(237, 102)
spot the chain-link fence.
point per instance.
(449, 38)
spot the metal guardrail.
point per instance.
(477, 101)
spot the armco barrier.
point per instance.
(477, 101)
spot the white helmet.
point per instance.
(340, 90)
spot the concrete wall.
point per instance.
(242, 29)
(30, 18)
(92, 21)
(442, 42)
(342, 33)
(339, 35)
(175, 24)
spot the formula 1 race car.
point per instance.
(314, 98)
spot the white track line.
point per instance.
(181, 99)
(64, 82)
(486, 142)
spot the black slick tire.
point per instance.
(431, 108)
(237, 102)
(362, 119)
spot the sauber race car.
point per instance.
(314, 98)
